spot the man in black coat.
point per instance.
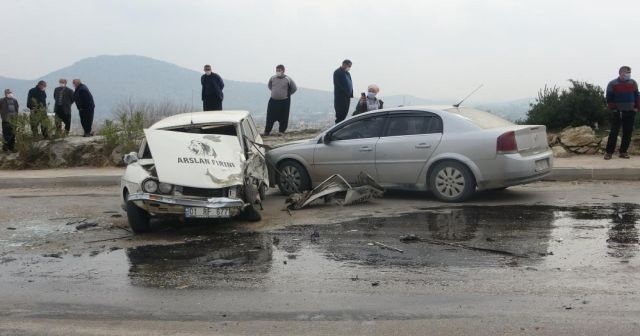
(84, 102)
(212, 86)
(342, 90)
(63, 99)
(37, 103)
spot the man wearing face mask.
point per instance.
(342, 90)
(281, 87)
(63, 99)
(212, 86)
(8, 111)
(369, 102)
(623, 101)
(37, 103)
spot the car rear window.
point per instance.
(481, 119)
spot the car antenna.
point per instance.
(469, 95)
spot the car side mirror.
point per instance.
(130, 158)
(326, 139)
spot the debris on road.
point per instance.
(409, 238)
(52, 255)
(76, 220)
(388, 247)
(11, 228)
(337, 189)
(107, 239)
(86, 225)
(375, 283)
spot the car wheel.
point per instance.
(138, 218)
(251, 214)
(294, 178)
(451, 181)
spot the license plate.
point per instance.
(542, 164)
(207, 213)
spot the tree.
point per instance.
(581, 104)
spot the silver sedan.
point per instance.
(453, 152)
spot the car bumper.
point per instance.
(514, 169)
(165, 204)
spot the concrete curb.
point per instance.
(581, 174)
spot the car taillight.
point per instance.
(507, 143)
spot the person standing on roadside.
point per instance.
(63, 99)
(8, 111)
(86, 106)
(368, 101)
(212, 86)
(37, 104)
(623, 101)
(281, 87)
(342, 90)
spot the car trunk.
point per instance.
(531, 139)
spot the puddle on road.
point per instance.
(457, 237)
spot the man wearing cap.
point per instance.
(212, 86)
(64, 98)
(342, 90)
(281, 87)
(8, 111)
(623, 101)
(37, 103)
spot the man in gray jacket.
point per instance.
(282, 87)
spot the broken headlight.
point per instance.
(165, 188)
(233, 192)
(150, 186)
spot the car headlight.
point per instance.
(233, 192)
(165, 188)
(150, 186)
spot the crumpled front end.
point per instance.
(188, 206)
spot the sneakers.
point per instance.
(624, 156)
(607, 156)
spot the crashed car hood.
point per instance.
(196, 160)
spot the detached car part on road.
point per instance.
(196, 165)
(451, 151)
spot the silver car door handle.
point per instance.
(423, 145)
(365, 149)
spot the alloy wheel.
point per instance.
(450, 182)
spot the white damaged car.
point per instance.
(196, 165)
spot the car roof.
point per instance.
(201, 118)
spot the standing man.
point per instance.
(282, 87)
(212, 86)
(342, 90)
(84, 102)
(623, 101)
(8, 111)
(37, 103)
(64, 98)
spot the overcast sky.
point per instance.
(431, 49)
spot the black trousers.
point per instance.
(39, 122)
(211, 104)
(341, 105)
(278, 110)
(9, 137)
(624, 119)
(86, 120)
(62, 116)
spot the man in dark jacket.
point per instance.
(8, 110)
(84, 102)
(37, 103)
(63, 99)
(623, 100)
(342, 90)
(212, 86)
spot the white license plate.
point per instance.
(542, 164)
(207, 213)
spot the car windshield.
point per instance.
(222, 129)
(481, 119)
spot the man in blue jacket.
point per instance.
(623, 101)
(84, 102)
(342, 90)
(212, 86)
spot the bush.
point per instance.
(581, 104)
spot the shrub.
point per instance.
(581, 104)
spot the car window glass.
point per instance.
(361, 129)
(411, 125)
(246, 129)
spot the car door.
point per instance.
(409, 139)
(351, 149)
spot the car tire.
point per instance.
(139, 220)
(251, 214)
(294, 178)
(451, 181)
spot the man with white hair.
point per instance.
(368, 101)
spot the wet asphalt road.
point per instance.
(545, 259)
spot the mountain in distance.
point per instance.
(116, 79)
